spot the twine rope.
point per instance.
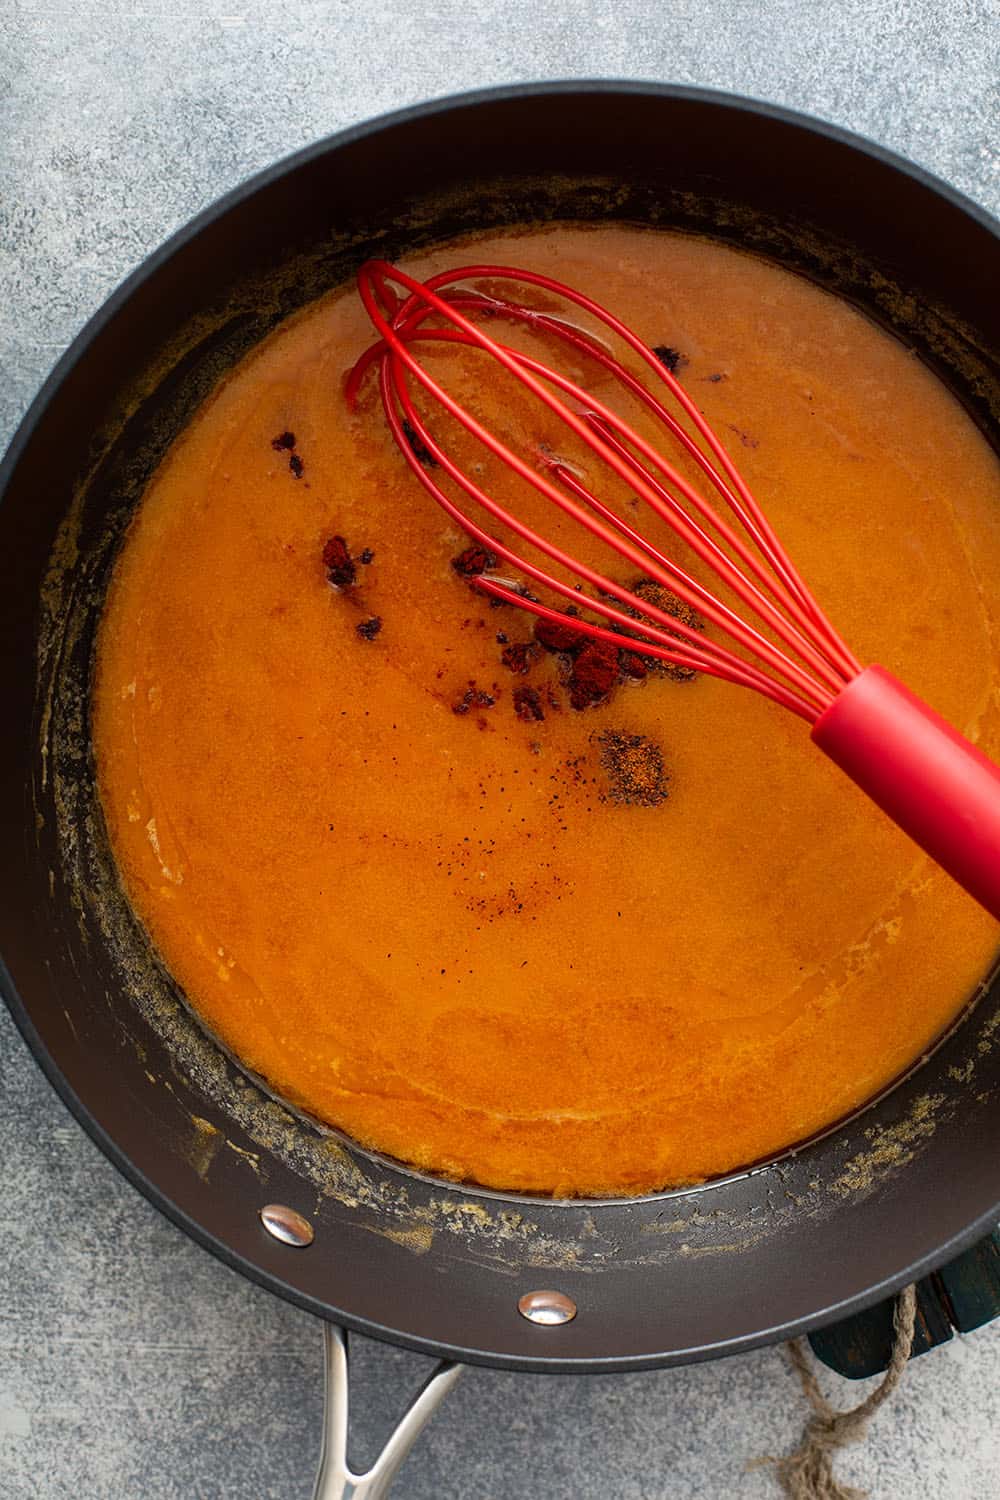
(807, 1474)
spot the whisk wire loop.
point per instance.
(670, 576)
(742, 501)
(786, 609)
(410, 329)
(669, 644)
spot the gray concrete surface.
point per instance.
(133, 1366)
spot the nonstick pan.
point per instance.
(435, 1266)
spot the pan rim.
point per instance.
(110, 308)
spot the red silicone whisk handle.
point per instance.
(930, 780)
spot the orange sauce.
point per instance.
(442, 931)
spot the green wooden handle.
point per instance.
(961, 1296)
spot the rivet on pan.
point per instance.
(286, 1225)
(547, 1308)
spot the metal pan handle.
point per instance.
(334, 1478)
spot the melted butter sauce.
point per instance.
(440, 931)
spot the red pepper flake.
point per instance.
(296, 465)
(595, 671)
(337, 560)
(633, 665)
(519, 657)
(473, 697)
(473, 561)
(528, 705)
(284, 442)
(369, 629)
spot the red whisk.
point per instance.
(929, 779)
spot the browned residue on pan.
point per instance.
(891, 1147)
(419, 1239)
(206, 1142)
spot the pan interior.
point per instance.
(206, 1139)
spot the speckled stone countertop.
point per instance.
(134, 1367)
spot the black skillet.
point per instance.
(676, 1277)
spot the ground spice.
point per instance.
(473, 561)
(340, 568)
(633, 665)
(296, 465)
(528, 705)
(660, 596)
(634, 765)
(369, 629)
(519, 657)
(594, 674)
(595, 667)
(555, 636)
(366, 556)
(473, 697)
